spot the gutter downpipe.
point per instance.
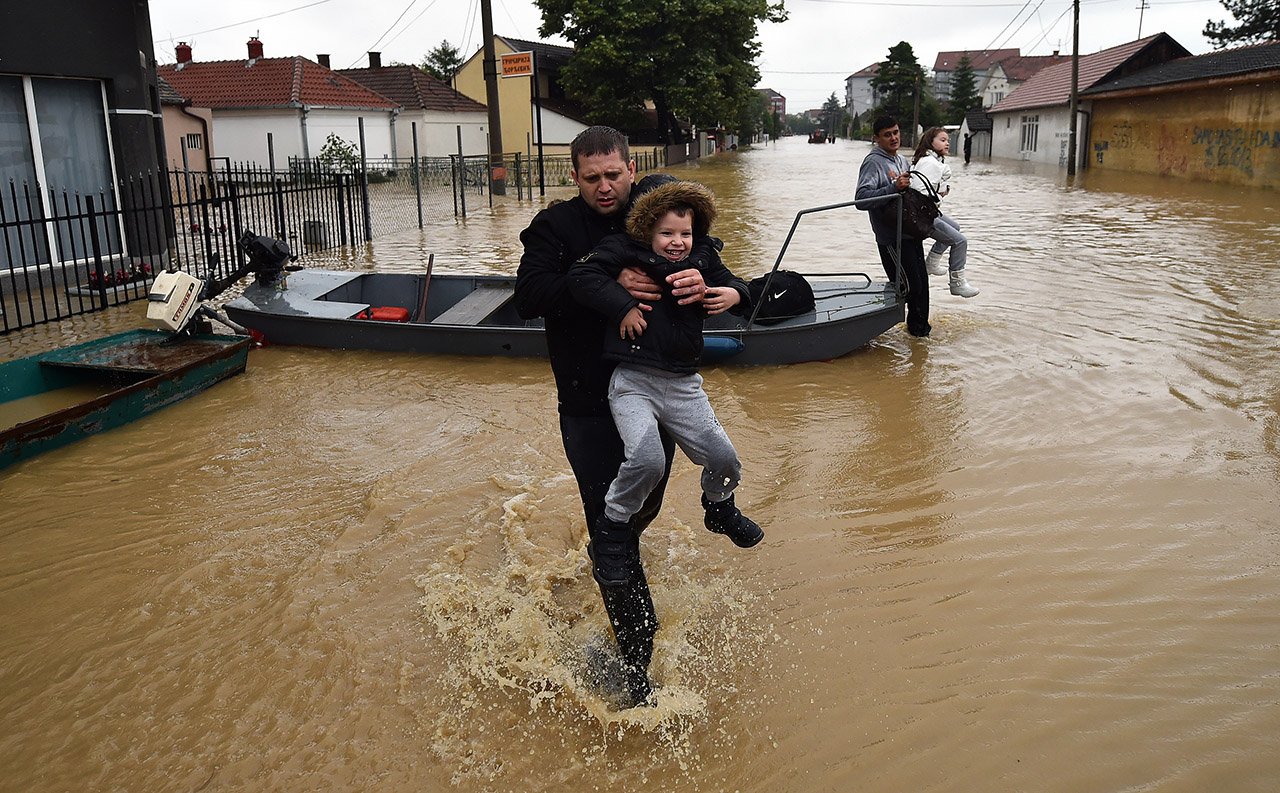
(306, 144)
(204, 129)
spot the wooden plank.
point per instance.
(475, 307)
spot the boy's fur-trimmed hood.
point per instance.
(650, 207)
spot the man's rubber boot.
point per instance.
(614, 552)
(724, 518)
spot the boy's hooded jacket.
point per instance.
(672, 339)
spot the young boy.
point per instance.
(656, 381)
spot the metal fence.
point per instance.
(64, 254)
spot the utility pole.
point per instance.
(1075, 87)
(497, 173)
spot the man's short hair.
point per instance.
(599, 140)
(883, 123)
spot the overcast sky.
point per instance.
(805, 58)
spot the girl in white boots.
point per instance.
(930, 164)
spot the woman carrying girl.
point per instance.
(930, 165)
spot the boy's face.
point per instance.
(604, 181)
(889, 139)
(673, 236)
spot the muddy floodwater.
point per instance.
(1038, 551)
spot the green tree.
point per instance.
(897, 83)
(753, 118)
(442, 62)
(694, 59)
(836, 119)
(964, 91)
(338, 154)
(1259, 21)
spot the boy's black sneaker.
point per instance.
(725, 518)
(615, 552)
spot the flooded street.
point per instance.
(1038, 551)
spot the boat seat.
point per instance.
(477, 306)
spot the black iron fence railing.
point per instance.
(65, 254)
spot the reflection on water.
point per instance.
(1036, 551)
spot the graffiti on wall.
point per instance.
(1233, 147)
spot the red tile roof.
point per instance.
(269, 83)
(413, 88)
(870, 71)
(1052, 86)
(1021, 69)
(979, 60)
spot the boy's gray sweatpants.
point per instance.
(641, 398)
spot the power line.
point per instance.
(189, 36)
(412, 3)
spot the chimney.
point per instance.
(1055, 53)
(183, 51)
(323, 59)
(255, 48)
(375, 60)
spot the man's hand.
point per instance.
(633, 324)
(640, 286)
(720, 299)
(900, 180)
(687, 286)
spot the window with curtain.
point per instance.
(50, 160)
(77, 161)
(19, 194)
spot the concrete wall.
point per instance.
(438, 133)
(1217, 133)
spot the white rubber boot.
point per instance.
(960, 286)
(934, 263)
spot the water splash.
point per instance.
(529, 650)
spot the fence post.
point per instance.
(277, 200)
(364, 184)
(96, 246)
(417, 174)
(342, 210)
(461, 179)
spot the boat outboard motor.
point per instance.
(267, 257)
(176, 298)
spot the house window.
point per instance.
(195, 141)
(997, 96)
(53, 149)
(1030, 132)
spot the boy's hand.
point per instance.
(720, 299)
(687, 286)
(633, 324)
(640, 286)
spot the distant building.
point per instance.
(562, 118)
(859, 96)
(1213, 117)
(1000, 79)
(777, 102)
(188, 130)
(976, 124)
(296, 101)
(945, 65)
(1033, 123)
(438, 111)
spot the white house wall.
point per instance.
(242, 135)
(556, 129)
(438, 133)
(1051, 144)
(346, 125)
